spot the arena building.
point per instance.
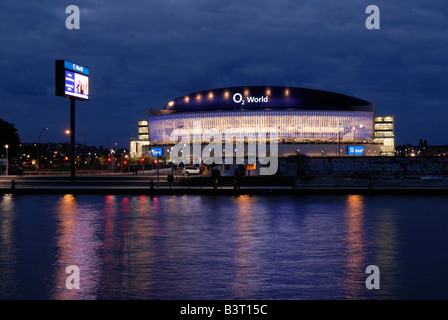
(306, 121)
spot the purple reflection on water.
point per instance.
(205, 247)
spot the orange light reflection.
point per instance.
(354, 280)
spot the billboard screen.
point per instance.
(72, 80)
(355, 150)
(76, 85)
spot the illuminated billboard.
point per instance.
(355, 150)
(72, 80)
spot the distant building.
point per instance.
(422, 151)
(136, 148)
(384, 134)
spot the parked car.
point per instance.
(191, 170)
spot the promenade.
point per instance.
(148, 184)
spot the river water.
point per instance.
(223, 247)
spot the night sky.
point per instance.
(143, 53)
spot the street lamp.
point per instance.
(7, 159)
(115, 155)
(67, 148)
(112, 159)
(38, 145)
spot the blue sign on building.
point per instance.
(355, 150)
(157, 152)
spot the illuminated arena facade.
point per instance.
(308, 121)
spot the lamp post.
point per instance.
(38, 146)
(354, 130)
(7, 158)
(339, 139)
(67, 146)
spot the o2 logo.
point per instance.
(238, 98)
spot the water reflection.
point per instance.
(356, 251)
(386, 248)
(110, 254)
(142, 245)
(130, 249)
(245, 260)
(8, 254)
(77, 244)
(203, 247)
(136, 247)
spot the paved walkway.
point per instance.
(122, 184)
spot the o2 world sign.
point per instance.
(238, 98)
(72, 80)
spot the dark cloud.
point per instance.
(144, 53)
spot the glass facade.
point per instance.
(384, 134)
(290, 126)
(143, 131)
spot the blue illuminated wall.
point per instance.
(290, 125)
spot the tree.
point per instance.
(10, 137)
(103, 160)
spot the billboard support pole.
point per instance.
(66, 74)
(72, 139)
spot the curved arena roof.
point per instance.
(266, 98)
